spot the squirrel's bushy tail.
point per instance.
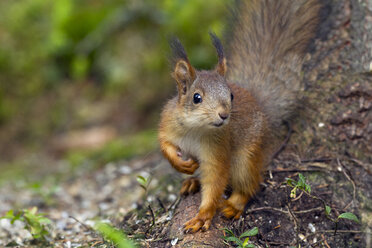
(267, 46)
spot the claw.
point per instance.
(230, 212)
(206, 225)
(195, 224)
(190, 186)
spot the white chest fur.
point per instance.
(189, 144)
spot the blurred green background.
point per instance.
(87, 79)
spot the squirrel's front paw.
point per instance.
(197, 223)
(188, 167)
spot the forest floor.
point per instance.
(330, 144)
(153, 217)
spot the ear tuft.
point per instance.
(184, 73)
(221, 66)
(178, 52)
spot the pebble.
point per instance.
(174, 241)
(125, 170)
(311, 227)
(172, 197)
(68, 244)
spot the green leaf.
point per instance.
(35, 223)
(235, 240)
(308, 188)
(349, 216)
(44, 220)
(245, 243)
(8, 215)
(252, 232)
(228, 231)
(32, 210)
(301, 181)
(18, 216)
(142, 181)
(327, 210)
(250, 246)
(113, 235)
(291, 182)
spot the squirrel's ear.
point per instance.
(184, 73)
(221, 66)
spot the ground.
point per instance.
(329, 144)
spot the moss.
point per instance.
(121, 148)
(29, 170)
(129, 146)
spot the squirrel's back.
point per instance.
(267, 45)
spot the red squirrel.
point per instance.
(225, 119)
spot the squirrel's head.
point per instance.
(204, 98)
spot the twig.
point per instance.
(279, 170)
(283, 211)
(298, 197)
(161, 204)
(350, 180)
(362, 164)
(317, 160)
(152, 215)
(309, 210)
(266, 209)
(96, 243)
(175, 203)
(173, 206)
(296, 226)
(81, 223)
(325, 241)
(339, 231)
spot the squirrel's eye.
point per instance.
(197, 98)
(232, 96)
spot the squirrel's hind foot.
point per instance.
(190, 185)
(234, 206)
(202, 221)
(230, 212)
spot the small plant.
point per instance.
(34, 222)
(144, 182)
(301, 185)
(113, 235)
(304, 187)
(238, 241)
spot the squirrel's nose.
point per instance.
(223, 115)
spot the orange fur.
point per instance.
(190, 186)
(170, 152)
